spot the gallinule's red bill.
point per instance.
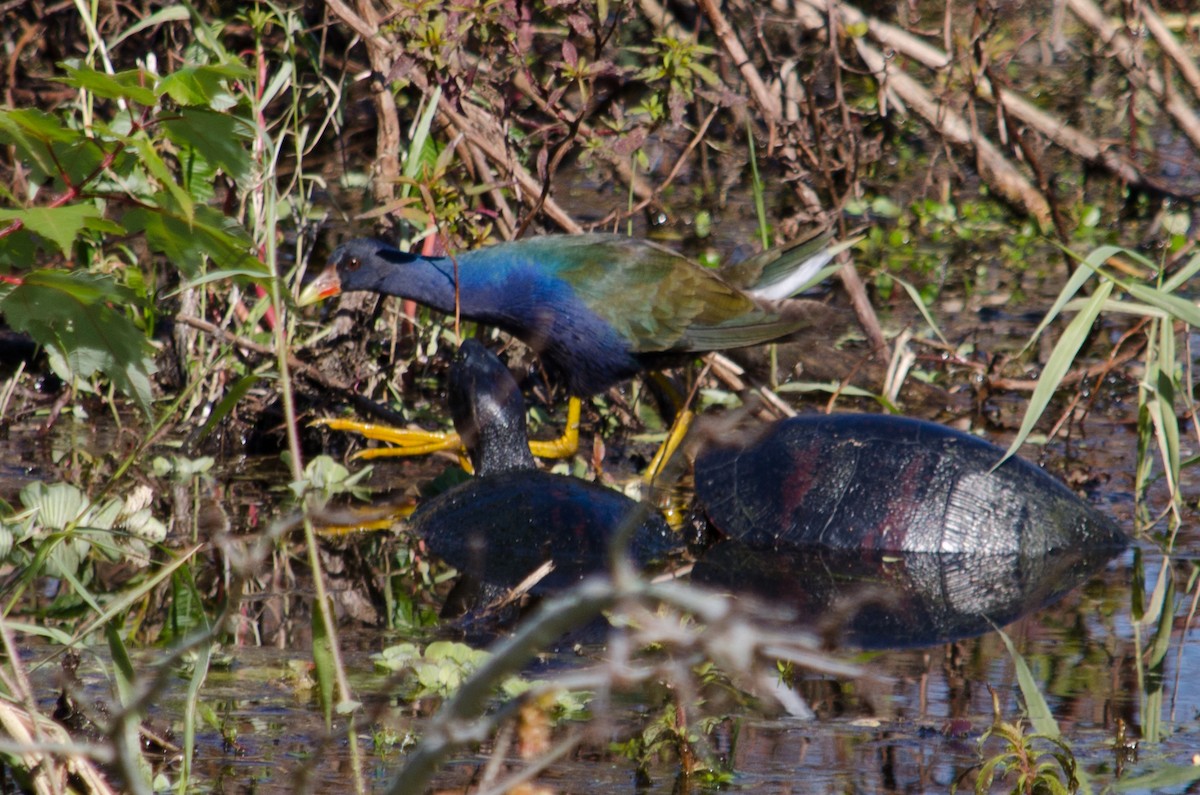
(598, 308)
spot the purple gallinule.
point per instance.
(598, 308)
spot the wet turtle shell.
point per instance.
(875, 482)
(499, 528)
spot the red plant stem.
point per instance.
(72, 192)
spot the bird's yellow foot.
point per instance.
(566, 445)
(404, 441)
(414, 441)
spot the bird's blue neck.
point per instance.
(492, 289)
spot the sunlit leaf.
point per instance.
(417, 154)
(39, 631)
(217, 137)
(281, 81)
(54, 506)
(47, 147)
(915, 297)
(1160, 404)
(1035, 703)
(1176, 305)
(1183, 275)
(206, 85)
(129, 85)
(59, 225)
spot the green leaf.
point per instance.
(46, 146)
(122, 663)
(59, 225)
(1161, 642)
(103, 226)
(56, 636)
(1159, 386)
(1183, 275)
(232, 397)
(418, 153)
(191, 707)
(210, 233)
(158, 169)
(70, 311)
(1038, 710)
(1059, 363)
(915, 297)
(186, 611)
(203, 85)
(18, 250)
(219, 138)
(129, 85)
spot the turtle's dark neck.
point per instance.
(488, 411)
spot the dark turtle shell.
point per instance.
(875, 482)
(498, 529)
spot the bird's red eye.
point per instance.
(352, 263)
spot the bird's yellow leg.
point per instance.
(406, 441)
(679, 429)
(566, 445)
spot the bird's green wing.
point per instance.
(661, 301)
(763, 325)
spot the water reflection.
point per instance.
(899, 600)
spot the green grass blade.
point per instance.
(199, 674)
(126, 600)
(1182, 276)
(1060, 362)
(1035, 703)
(915, 296)
(1038, 710)
(1073, 285)
(1174, 305)
(1174, 777)
(323, 663)
(760, 206)
(1160, 388)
